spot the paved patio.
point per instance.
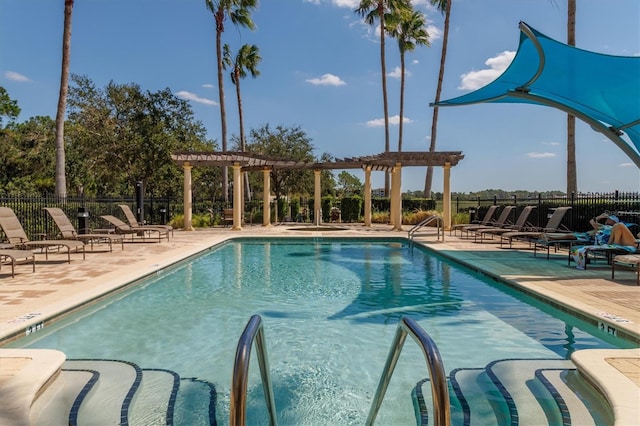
(32, 299)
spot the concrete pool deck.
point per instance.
(31, 299)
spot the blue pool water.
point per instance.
(330, 309)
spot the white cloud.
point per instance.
(434, 33)
(627, 165)
(208, 86)
(327, 80)
(551, 143)
(541, 155)
(397, 73)
(351, 4)
(195, 98)
(14, 76)
(477, 79)
(394, 121)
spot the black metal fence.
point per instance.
(85, 213)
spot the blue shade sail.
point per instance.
(601, 90)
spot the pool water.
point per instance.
(330, 310)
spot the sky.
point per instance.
(320, 71)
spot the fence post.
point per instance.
(140, 202)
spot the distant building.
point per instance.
(378, 192)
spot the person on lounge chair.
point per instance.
(612, 233)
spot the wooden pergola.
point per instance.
(386, 162)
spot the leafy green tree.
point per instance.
(27, 157)
(349, 184)
(61, 177)
(284, 143)
(8, 107)
(409, 30)
(327, 178)
(125, 135)
(239, 12)
(444, 6)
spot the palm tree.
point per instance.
(410, 32)
(247, 59)
(444, 6)
(572, 179)
(239, 11)
(61, 177)
(372, 10)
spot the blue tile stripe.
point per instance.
(75, 407)
(174, 392)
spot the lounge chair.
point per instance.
(67, 231)
(522, 224)
(629, 261)
(488, 216)
(500, 222)
(14, 232)
(553, 226)
(122, 228)
(133, 221)
(16, 257)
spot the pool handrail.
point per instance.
(439, 224)
(237, 411)
(438, 379)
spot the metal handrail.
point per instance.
(425, 222)
(439, 388)
(237, 412)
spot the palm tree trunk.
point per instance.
(384, 93)
(434, 123)
(243, 145)
(61, 177)
(223, 116)
(572, 178)
(402, 68)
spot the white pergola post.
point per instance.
(187, 225)
(266, 197)
(237, 198)
(367, 196)
(396, 199)
(446, 196)
(317, 202)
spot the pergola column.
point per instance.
(367, 196)
(187, 225)
(237, 197)
(446, 196)
(266, 197)
(396, 197)
(317, 203)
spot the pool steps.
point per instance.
(118, 392)
(512, 391)
(519, 392)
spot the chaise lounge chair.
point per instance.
(133, 221)
(15, 257)
(122, 228)
(488, 217)
(501, 222)
(522, 224)
(67, 231)
(553, 226)
(631, 261)
(14, 232)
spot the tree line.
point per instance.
(121, 134)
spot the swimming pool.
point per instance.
(330, 308)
